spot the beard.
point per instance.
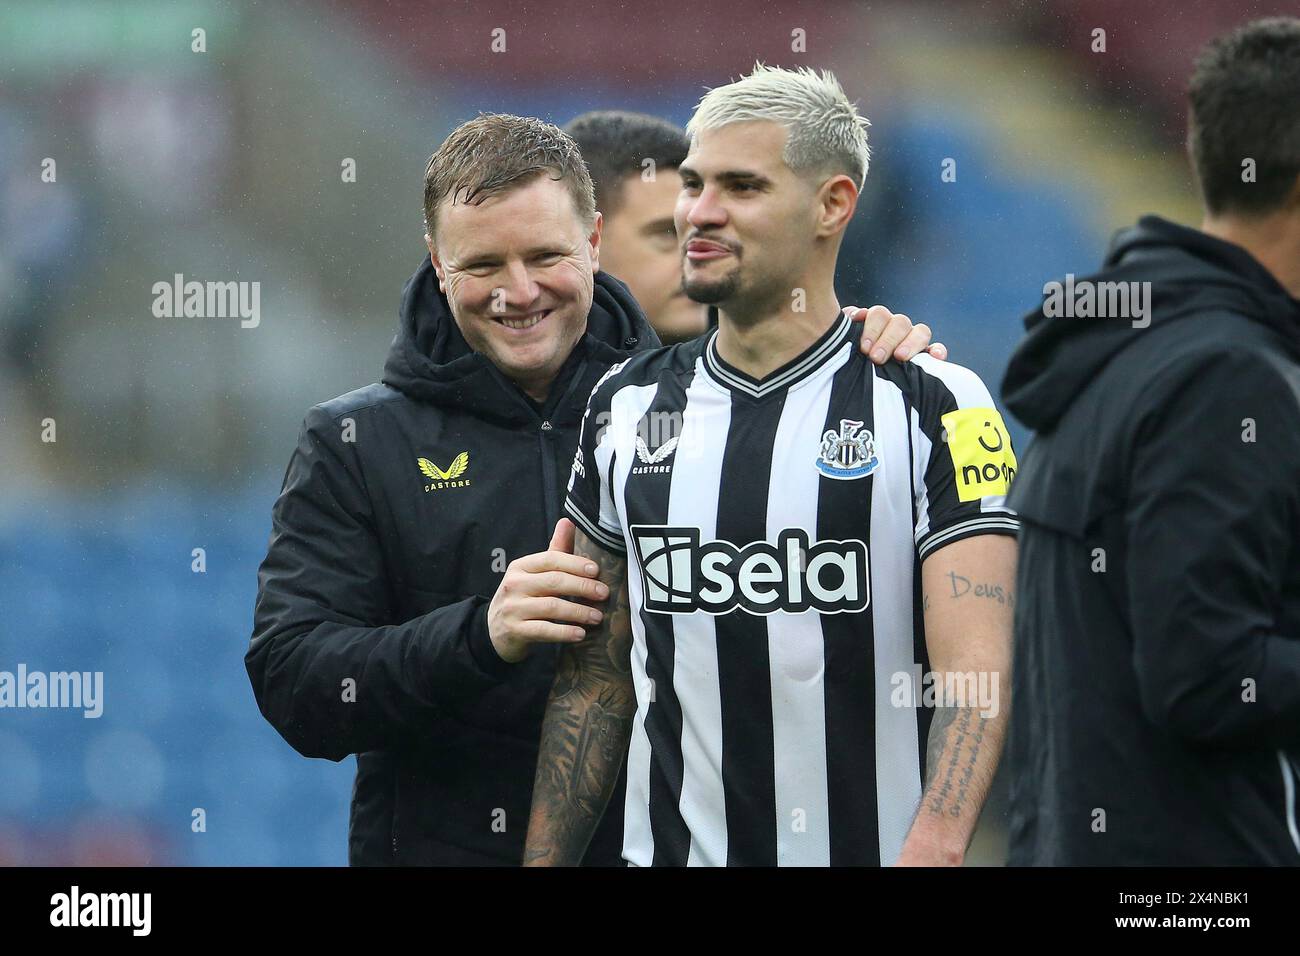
(712, 291)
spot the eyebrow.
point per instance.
(730, 176)
(530, 251)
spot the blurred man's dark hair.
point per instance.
(1245, 104)
(616, 144)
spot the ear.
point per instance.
(593, 241)
(836, 201)
(437, 263)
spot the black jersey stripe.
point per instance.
(744, 667)
(663, 720)
(844, 512)
(920, 650)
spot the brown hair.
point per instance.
(496, 152)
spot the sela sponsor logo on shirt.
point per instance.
(653, 461)
(848, 454)
(981, 452)
(578, 467)
(680, 575)
(451, 478)
(75, 908)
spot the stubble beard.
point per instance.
(713, 291)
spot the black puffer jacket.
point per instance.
(401, 507)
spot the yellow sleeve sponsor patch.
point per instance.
(980, 446)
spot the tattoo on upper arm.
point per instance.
(962, 586)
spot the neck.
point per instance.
(1274, 241)
(758, 341)
(535, 388)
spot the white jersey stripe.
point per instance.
(796, 650)
(638, 844)
(695, 668)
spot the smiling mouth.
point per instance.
(523, 322)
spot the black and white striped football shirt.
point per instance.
(774, 531)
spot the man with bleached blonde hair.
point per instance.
(818, 539)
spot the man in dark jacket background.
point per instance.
(409, 605)
(633, 159)
(1157, 633)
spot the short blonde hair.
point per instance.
(826, 133)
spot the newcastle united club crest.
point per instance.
(849, 454)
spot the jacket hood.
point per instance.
(429, 360)
(1189, 273)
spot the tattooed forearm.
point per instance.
(954, 783)
(968, 602)
(586, 728)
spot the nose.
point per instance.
(517, 288)
(705, 211)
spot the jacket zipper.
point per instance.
(545, 435)
(551, 504)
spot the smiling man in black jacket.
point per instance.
(406, 503)
(407, 612)
(1157, 633)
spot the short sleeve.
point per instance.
(590, 502)
(963, 458)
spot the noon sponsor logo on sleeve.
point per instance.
(982, 459)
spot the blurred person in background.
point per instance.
(633, 158)
(1157, 628)
(409, 606)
